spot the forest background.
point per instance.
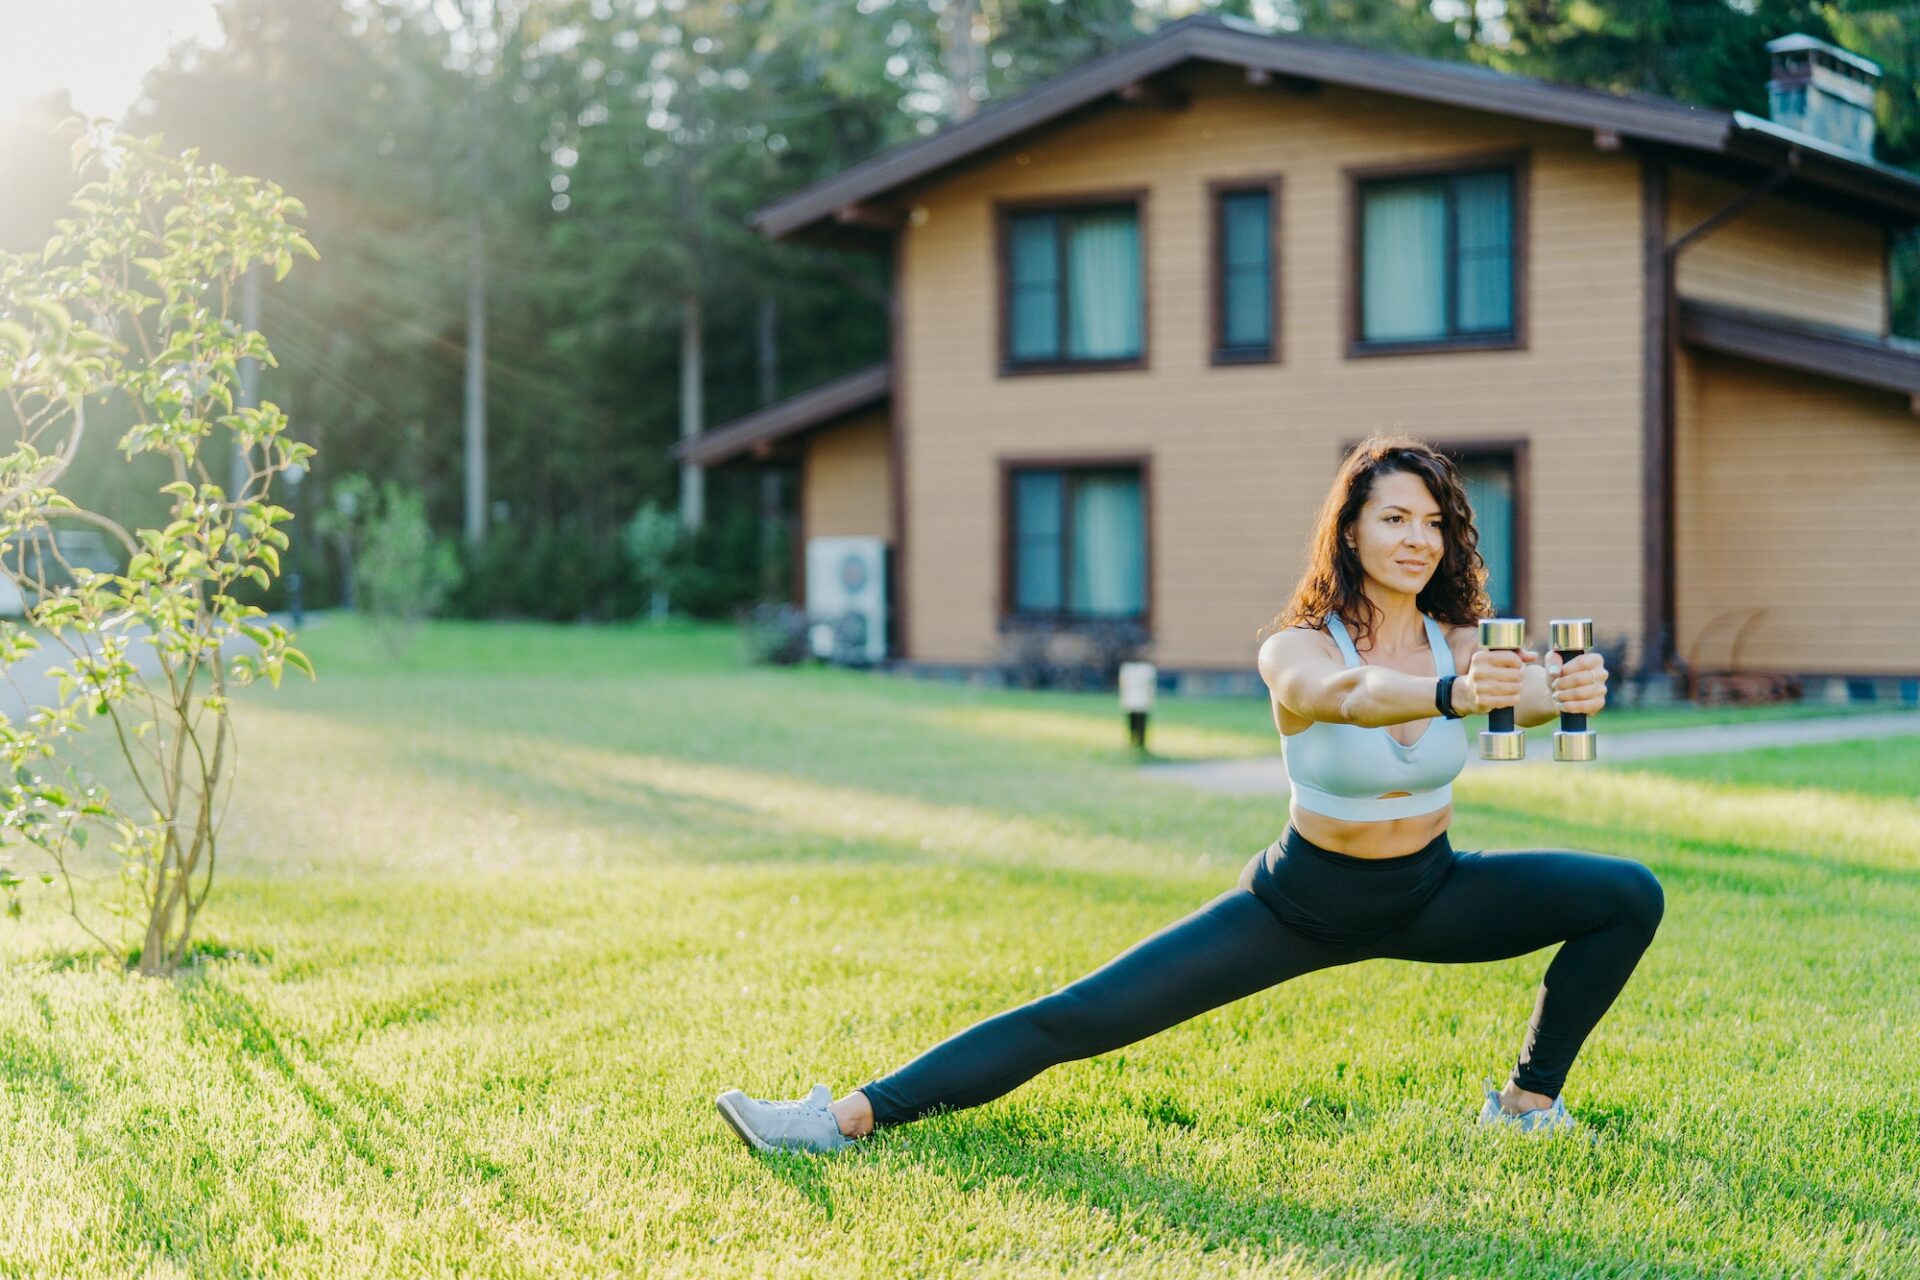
(531, 216)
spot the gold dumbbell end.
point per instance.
(1502, 746)
(1576, 748)
(1503, 633)
(1571, 634)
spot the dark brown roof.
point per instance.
(816, 407)
(834, 203)
(1892, 364)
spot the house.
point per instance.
(1141, 311)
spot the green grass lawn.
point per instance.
(495, 924)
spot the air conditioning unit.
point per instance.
(847, 598)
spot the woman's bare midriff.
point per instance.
(1394, 838)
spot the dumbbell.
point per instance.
(1575, 742)
(1500, 740)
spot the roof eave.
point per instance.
(756, 434)
(833, 207)
(1861, 358)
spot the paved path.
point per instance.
(31, 686)
(1267, 775)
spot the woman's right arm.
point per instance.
(1309, 682)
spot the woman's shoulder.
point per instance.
(1298, 640)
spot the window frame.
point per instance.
(1219, 352)
(1004, 211)
(1513, 450)
(1517, 163)
(1012, 465)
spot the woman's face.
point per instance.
(1397, 533)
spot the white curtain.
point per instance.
(1109, 545)
(1103, 279)
(1404, 276)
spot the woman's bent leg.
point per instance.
(1227, 949)
(1496, 905)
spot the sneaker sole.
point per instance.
(725, 1103)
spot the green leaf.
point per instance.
(55, 315)
(16, 337)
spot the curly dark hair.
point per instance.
(1332, 579)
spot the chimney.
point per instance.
(1823, 90)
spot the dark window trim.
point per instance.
(1084, 462)
(1272, 184)
(1003, 211)
(1519, 162)
(1514, 449)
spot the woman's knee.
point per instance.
(1642, 901)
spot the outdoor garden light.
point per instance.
(1137, 681)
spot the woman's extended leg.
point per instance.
(1496, 905)
(1227, 949)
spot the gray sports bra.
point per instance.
(1341, 770)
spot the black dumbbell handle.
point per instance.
(1570, 721)
(1500, 719)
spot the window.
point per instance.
(1076, 541)
(1073, 293)
(1246, 295)
(1438, 259)
(1493, 479)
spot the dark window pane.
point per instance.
(1038, 527)
(1483, 219)
(1033, 287)
(1246, 269)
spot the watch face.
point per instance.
(853, 572)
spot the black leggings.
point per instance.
(1299, 908)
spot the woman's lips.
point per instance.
(1415, 565)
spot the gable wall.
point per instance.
(845, 491)
(1794, 510)
(1780, 256)
(1241, 457)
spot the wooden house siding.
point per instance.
(1796, 496)
(846, 493)
(1782, 256)
(1241, 456)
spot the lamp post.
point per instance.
(1137, 681)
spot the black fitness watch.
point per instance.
(1443, 698)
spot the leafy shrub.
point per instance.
(1045, 653)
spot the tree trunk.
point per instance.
(476, 371)
(962, 59)
(693, 489)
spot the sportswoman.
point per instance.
(1362, 658)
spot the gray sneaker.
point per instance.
(1543, 1120)
(804, 1124)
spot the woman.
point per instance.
(1365, 654)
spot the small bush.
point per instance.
(776, 634)
(404, 574)
(1077, 654)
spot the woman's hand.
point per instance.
(1492, 681)
(1578, 687)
